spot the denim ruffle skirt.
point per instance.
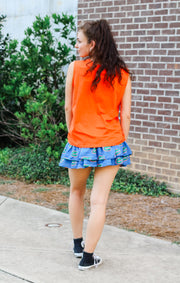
(78, 157)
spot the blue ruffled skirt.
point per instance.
(76, 157)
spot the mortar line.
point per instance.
(16, 276)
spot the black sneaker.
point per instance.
(78, 250)
(84, 265)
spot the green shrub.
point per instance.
(131, 182)
(30, 164)
(32, 91)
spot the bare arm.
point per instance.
(68, 95)
(125, 113)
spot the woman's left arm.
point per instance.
(125, 114)
(68, 95)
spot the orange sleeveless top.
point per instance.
(95, 115)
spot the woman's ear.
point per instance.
(92, 45)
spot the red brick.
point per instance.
(175, 166)
(169, 5)
(154, 19)
(101, 9)
(151, 72)
(170, 133)
(94, 16)
(135, 123)
(142, 104)
(171, 93)
(164, 138)
(140, 7)
(126, 8)
(155, 131)
(141, 116)
(149, 137)
(165, 85)
(176, 127)
(157, 92)
(119, 2)
(148, 149)
(163, 125)
(145, 52)
(168, 31)
(165, 72)
(158, 79)
(94, 4)
(140, 20)
(168, 45)
(161, 25)
(169, 145)
(164, 99)
(171, 119)
(171, 106)
(155, 118)
(141, 167)
(147, 13)
(139, 32)
(162, 164)
(153, 32)
(113, 9)
(174, 25)
(149, 111)
(148, 124)
(164, 112)
(135, 135)
(107, 3)
(161, 12)
(146, 26)
(141, 129)
(158, 66)
(88, 10)
(169, 18)
(155, 6)
(168, 172)
(176, 100)
(82, 5)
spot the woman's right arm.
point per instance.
(68, 95)
(125, 114)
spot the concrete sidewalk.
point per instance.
(30, 251)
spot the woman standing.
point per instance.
(98, 88)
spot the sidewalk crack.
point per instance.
(3, 201)
(16, 276)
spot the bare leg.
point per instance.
(103, 179)
(78, 179)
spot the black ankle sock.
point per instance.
(87, 258)
(77, 242)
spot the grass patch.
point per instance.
(66, 193)
(40, 190)
(176, 243)
(62, 204)
(63, 207)
(4, 182)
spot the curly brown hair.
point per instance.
(104, 53)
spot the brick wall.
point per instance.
(148, 38)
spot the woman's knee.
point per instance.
(97, 203)
(77, 192)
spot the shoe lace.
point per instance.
(83, 244)
(96, 259)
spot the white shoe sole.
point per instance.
(90, 266)
(78, 255)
